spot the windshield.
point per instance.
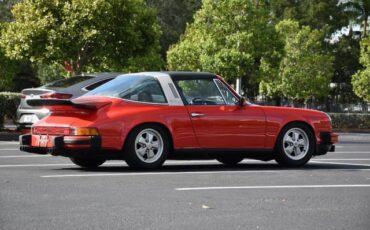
(132, 87)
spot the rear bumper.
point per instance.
(80, 146)
(327, 141)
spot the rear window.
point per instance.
(134, 88)
(68, 82)
(97, 84)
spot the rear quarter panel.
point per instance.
(129, 115)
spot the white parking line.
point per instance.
(9, 150)
(25, 156)
(343, 159)
(153, 173)
(351, 152)
(9, 143)
(179, 173)
(338, 163)
(52, 165)
(276, 187)
(34, 165)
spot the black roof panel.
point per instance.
(182, 75)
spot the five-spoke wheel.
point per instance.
(295, 145)
(147, 147)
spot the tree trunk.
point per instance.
(364, 34)
(364, 107)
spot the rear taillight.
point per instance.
(56, 95)
(23, 96)
(41, 130)
(65, 131)
(88, 131)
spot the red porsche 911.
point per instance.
(146, 118)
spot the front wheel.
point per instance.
(147, 147)
(295, 145)
(87, 162)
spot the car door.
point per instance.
(217, 119)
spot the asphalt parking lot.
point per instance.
(44, 192)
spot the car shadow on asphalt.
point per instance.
(219, 167)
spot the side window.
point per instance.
(147, 90)
(228, 96)
(200, 92)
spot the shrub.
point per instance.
(8, 105)
(350, 120)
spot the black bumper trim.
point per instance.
(59, 150)
(325, 145)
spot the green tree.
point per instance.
(14, 74)
(326, 16)
(347, 54)
(305, 71)
(117, 35)
(230, 38)
(361, 80)
(359, 12)
(173, 15)
(5, 6)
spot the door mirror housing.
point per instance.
(242, 101)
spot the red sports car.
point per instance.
(146, 118)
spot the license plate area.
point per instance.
(29, 118)
(42, 141)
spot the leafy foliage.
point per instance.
(304, 71)
(98, 34)
(172, 16)
(358, 11)
(229, 38)
(350, 121)
(8, 105)
(361, 80)
(326, 16)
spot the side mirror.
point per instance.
(241, 101)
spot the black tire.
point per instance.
(87, 162)
(133, 146)
(230, 160)
(282, 155)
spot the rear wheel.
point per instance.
(87, 162)
(231, 160)
(147, 147)
(295, 145)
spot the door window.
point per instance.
(228, 96)
(200, 92)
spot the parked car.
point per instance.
(146, 118)
(63, 89)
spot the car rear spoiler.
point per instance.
(89, 105)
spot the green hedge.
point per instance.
(350, 120)
(8, 105)
(9, 102)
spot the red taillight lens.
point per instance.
(23, 96)
(56, 95)
(40, 130)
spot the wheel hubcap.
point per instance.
(149, 145)
(296, 143)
